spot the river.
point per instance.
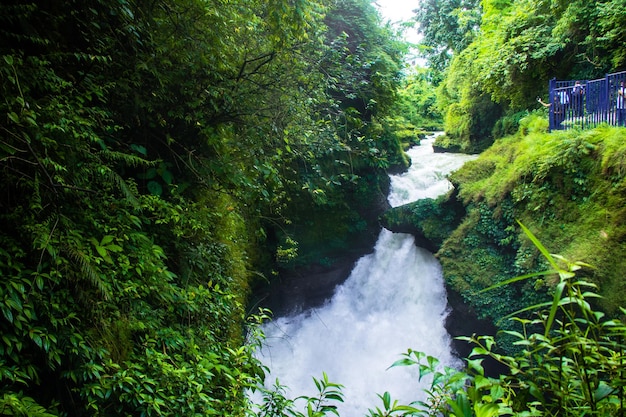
(394, 299)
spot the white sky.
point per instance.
(402, 10)
(395, 10)
(398, 10)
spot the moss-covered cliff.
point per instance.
(569, 188)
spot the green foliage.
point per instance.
(570, 363)
(469, 113)
(508, 125)
(447, 28)
(561, 184)
(322, 404)
(611, 32)
(148, 148)
(18, 405)
(504, 59)
(149, 151)
(416, 101)
(339, 161)
(456, 393)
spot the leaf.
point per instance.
(37, 339)
(139, 149)
(461, 406)
(518, 278)
(149, 174)
(155, 188)
(408, 409)
(7, 314)
(558, 291)
(386, 397)
(539, 246)
(478, 350)
(336, 397)
(403, 362)
(106, 239)
(168, 177)
(482, 382)
(114, 248)
(39, 282)
(476, 365)
(514, 333)
(603, 391)
(102, 251)
(486, 410)
(534, 307)
(432, 362)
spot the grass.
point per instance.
(568, 187)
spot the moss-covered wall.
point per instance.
(431, 221)
(568, 188)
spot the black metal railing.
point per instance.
(587, 103)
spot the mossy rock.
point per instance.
(430, 220)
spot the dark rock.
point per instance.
(449, 149)
(463, 321)
(420, 239)
(299, 289)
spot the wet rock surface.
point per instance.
(300, 289)
(463, 321)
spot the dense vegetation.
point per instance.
(569, 363)
(496, 56)
(156, 159)
(567, 187)
(161, 158)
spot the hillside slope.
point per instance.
(569, 188)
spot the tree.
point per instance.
(342, 156)
(417, 101)
(522, 44)
(447, 28)
(143, 148)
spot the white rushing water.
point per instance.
(393, 300)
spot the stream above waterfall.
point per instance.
(393, 300)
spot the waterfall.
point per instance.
(393, 300)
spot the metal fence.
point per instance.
(588, 104)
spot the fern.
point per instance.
(130, 160)
(16, 404)
(89, 272)
(114, 178)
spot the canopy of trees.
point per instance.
(502, 53)
(152, 155)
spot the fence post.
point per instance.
(551, 121)
(605, 100)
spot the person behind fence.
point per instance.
(620, 104)
(561, 96)
(558, 112)
(578, 92)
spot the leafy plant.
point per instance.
(147, 152)
(322, 404)
(571, 363)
